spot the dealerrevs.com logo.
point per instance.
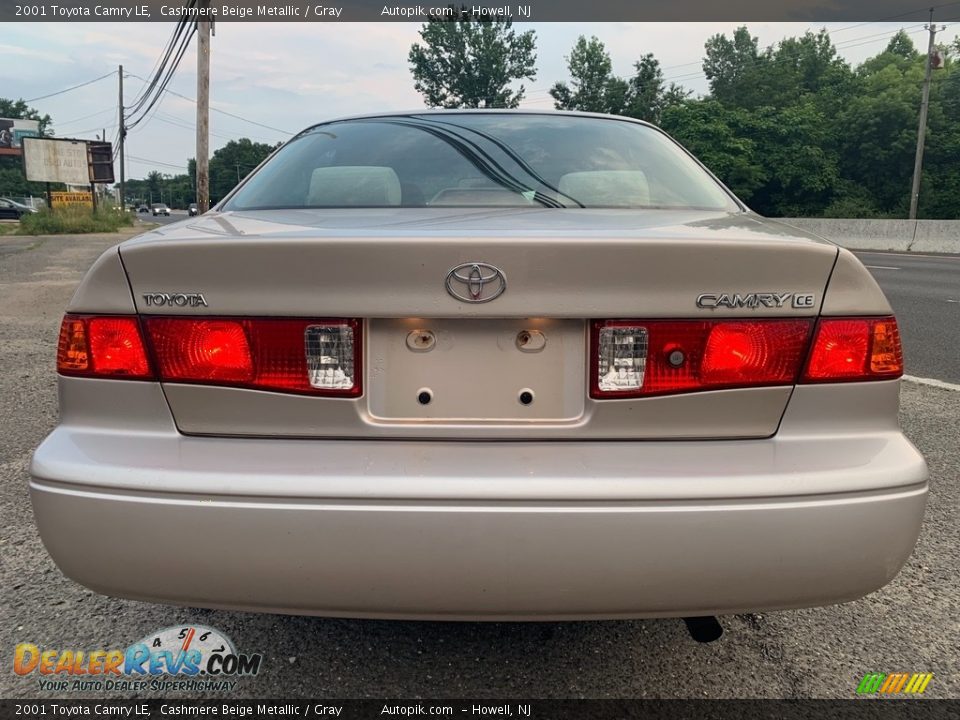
(188, 658)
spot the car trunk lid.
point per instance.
(560, 269)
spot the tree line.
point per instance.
(228, 166)
(793, 129)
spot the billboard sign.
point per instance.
(60, 161)
(12, 132)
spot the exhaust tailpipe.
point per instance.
(705, 629)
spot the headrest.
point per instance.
(354, 186)
(607, 188)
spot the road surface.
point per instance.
(924, 291)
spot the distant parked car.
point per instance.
(193, 210)
(160, 209)
(12, 210)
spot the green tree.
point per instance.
(878, 130)
(647, 96)
(154, 185)
(774, 159)
(902, 46)
(721, 137)
(731, 66)
(592, 82)
(471, 64)
(594, 87)
(18, 110)
(800, 165)
(795, 70)
(232, 163)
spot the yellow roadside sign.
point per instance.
(71, 199)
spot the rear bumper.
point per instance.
(460, 530)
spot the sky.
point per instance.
(287, 76)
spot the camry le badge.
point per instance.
(754, 300)
(476, 282)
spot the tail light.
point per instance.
(108, 347)
(633, 358)
(851, 349)
(316, 357)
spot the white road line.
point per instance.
(932, 383)
(881, 267)
(904, 254)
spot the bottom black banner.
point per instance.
(487, 709)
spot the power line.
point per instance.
(75, 87)
(223, 112)
(148, 161)
(84, 117)
(93, 129)
(177, 30)
(185, 124)
(155, 91)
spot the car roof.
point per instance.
(476, 111)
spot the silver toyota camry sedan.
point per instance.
(480, 365)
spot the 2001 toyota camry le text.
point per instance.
(484, 365)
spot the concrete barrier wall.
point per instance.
(938, 236)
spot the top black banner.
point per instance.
(420, 11)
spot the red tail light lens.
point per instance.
(316, 357)
(850, 349)
(108, 346)
(752, 353)
(635, 358)
(201, 350)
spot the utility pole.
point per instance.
(924, 109)
(123, 134)
(203, 114)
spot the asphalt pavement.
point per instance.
(911, 625)
(924, 291)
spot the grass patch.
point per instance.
(74, 220)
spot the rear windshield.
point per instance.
(481, 160)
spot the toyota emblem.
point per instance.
(476, 282)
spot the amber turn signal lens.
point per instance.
(886, 356)
(73, 353)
